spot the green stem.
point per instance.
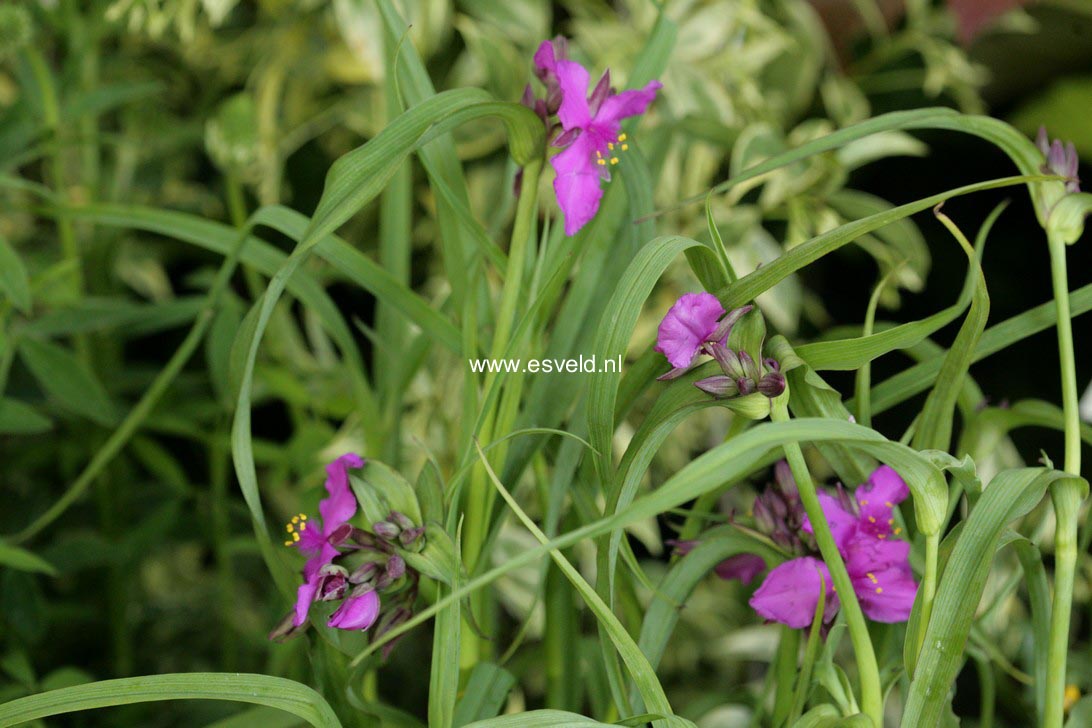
(480, 496)
(1066, 500)
(867, 668)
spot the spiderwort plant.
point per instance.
(591, 137)
(698, 325)
(347, 564)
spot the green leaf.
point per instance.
(16, 558)
(540, 719)
(68, 380)
(18, 418)
(274, 692)
(485, 693)
(13, 277)
(1010, 495)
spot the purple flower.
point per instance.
(687, 326)
(877, 564)
(591, 130)
(1060, 160)
(790, 593)
(313, 538)
(356, 613)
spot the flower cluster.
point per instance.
(590, 128)
(1060, 160)
(697, 324)
(348, 564)
(863, 529)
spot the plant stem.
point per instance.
(867, 668)
(1066, 499)
(480, 496)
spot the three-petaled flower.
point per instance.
(876, 560)
(318, 539)
(591, 129)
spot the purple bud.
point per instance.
(386, 530)
(764, 518)
(1042, 140)
(396, 567)
(566, 138)
(786, 483)
(401, 520)
(746, 385)
(748, 365)
(528, 98)
(411, 535)
(772, 385)
(845, 500)
(727, 359)
(772, 364)
(332, 587)
(718, 386)
(365, 573)
(724, 326)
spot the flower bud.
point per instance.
(746, 386)
(365, 573)
(411, 536)
(386, 530)
(772, 385)
(396, 567)
(718, 386)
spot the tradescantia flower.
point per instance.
(349, 565)
(877, 563)
(591, 128)
(315, 539)
(697, 324)
(863, 528)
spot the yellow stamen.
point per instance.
(621, 137)
(288, 527)
(295, 519)
(890, 521)
(610, 145)
(897, 531)
(614, 160)
(864, 503)
(625, 147)
(871, 519)
(871, 577)
(889, 504)
(882, 536)
(288, 543)
(303, 526)
(602, 162)
(1072, 695)
(879, 590)
(295, 537)
(303, 516)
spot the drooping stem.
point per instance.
(1066, 499)
(867, 668)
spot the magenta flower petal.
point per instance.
(865, 552)
(689, 323)
(304, 596)
(577, 183)
(627, 104)
(843, 525)
(356, 613)
(340, 505)
(790, 593)
(885, 487)
(887, 595)
(744, 567)
(573, 79)
(545, 59)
